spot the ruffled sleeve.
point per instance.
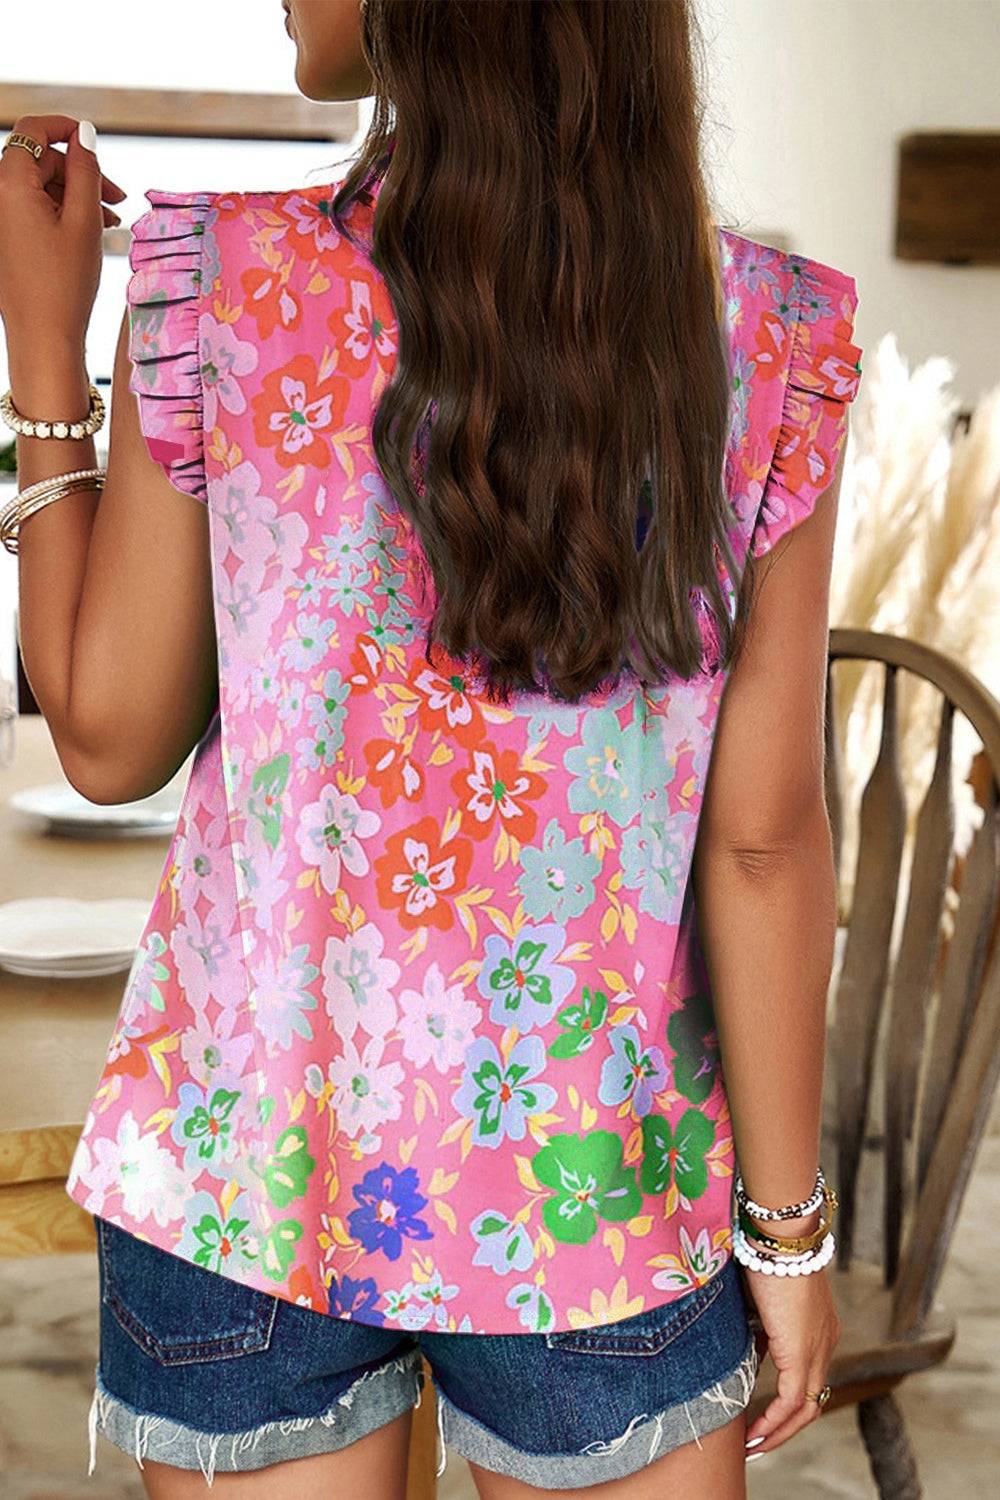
(164, 292)
(824, 373)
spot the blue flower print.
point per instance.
(204, 1127)
(388, 1212)
(326, 712)
(498, 1097)
(546, 717)
(534, 1307)
(605, 767)
(655, 861)
(355, 1299)
(631, 1071)
(305, 649)
(501, 1243)
(522, 980)
(420, 1303)
(557, 879)
(290, 702)
(342, 554)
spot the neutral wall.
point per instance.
(808, 101)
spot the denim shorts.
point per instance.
(197, 1370)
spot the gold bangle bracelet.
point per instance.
(37, 496)
(793, 1245)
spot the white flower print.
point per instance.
(152, 1181)
(358, 983)
(438, 1022)
(329, 834)
(365, 1090)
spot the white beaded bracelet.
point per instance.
(785, 1265)
(789, 1211)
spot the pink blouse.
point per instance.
(419, 1031)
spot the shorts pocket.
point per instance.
(179, 1313)
(645, 1334)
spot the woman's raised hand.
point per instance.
(52, 214)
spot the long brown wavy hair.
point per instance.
(544, 233)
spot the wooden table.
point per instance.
(54, 1032)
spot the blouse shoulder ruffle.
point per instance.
(824, 372)
(167, 260)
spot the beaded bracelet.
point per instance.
(39, 428)
(790, 1211)
(787, 1265)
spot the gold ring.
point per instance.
(18, 138)
(820, 1397)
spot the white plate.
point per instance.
(60, 929)
(60, 803)
(67, 971)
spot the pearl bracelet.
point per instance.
(788, 1265)
(39, 428)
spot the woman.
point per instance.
(453, 494)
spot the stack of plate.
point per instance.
(62, 937)
(60, 808)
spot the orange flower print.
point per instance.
(312, 231)
(391, 769)
(495, 794)
(269, 300)
(446, 703)
(366, 330)
(770, 347)
(418, 878)
(294, 409)
(366, 663)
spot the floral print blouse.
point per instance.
(419, 1032)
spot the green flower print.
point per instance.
(605, 767)
(589, 1182)
(557, 879)
(210, 1126)
(277, 1248)
(691, 1033)
(217, 1241)
(269, 782)
(580, 1023)
(678, 1155)
(286, 1173)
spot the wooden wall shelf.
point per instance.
(184, 112)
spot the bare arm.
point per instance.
(764, 870)
(115, 593)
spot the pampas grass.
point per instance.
(917, 553)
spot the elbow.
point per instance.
(763, 851)
(105, 778)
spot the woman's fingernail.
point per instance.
(754, 1441)
(752, 1456)
(87, 135)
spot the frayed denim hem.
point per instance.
(645, 1439)
(371, 1402)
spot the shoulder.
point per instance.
(785, 279)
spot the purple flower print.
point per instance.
(498, 1097)
(631, 1071)
(223, 358)
(389, 1211)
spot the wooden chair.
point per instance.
(924, 1012)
